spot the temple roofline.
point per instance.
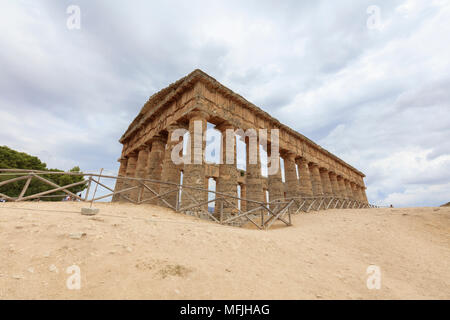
(165, 96)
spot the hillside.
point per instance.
(147, 252)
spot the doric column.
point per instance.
(360, 193)
(305, 178)
(315, 180)
(153, 168)
(227, 180)
(342, 189)
(253, 175)
(140, 173)
(334, 184)
(290, 174)
(356, 192)
(194, 171)
(354, 196)
(326, 183)
(363, 190)
(170, 171)
(131, 170)
(275, 181)
(348, 189)
(120, 182)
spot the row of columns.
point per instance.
(145, 163)
(153, 161)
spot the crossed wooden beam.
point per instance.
(269, 213)
(32, 175)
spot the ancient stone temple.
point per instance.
(197, 99)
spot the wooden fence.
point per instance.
(262, 215)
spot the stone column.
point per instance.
(348, 189)
(227, 180)
(170, 171)
(326, 183)
(275, 182)
(306, 189)
(131, 169)
(120, 182)
(342, 189)
(253, 175)
(194, 171)
(364, 195)
(360, 193)
(154, 167)
(363, 189)
(290, 173)
(355, 192)
(316, 180)
(141, 165)
(334, 184)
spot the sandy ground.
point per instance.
(147, 252)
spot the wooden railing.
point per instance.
(262, 215)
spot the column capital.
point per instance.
(133, 154)
(289, 155)
(175, 126)
(157, 138)
(197, 115)
(302, 159)
(143, 146)
(224, 126)
(251, 132)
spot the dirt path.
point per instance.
(147, 252)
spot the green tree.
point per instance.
(11, 159)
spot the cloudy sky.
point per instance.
(367, 80)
